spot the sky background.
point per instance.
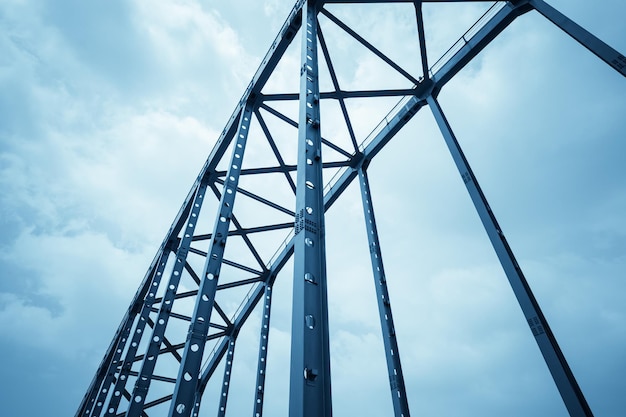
(109, 109)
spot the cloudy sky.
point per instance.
(108, 110)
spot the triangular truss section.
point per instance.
(308, 126)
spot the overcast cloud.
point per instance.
(108, 110)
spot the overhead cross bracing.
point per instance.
(281, 162)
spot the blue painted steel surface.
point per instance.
(584, 37)
(228, 371)
(309, 389)
(263, 346)
(392, 352)
(140, 391)
(135, 340)
(563, 376)
(187, 382)
(141, 339)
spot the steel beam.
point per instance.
(295, 124)
(228, 371)
(584, 37)
(340, 96)
(272, 143)
(563, 377)
(465, 49)
(368, 45)
(187, 382)
(126, 365)
(459, 55)
(399, 1)
(390, 129)
(259, 389)
(109, 366)
(309, 391)
(138, 397)
(421, 37)
(392, 352)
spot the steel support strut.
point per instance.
(140, 391)
(145, 322)
(309, 393)
(111, 369)
(394, 367)
(183, 399)
(228, 371)
(263, 343)
(118, 370)
(563, 377)
(124, 371)
(584, 37)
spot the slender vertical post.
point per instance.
(563, 377)
(140, 391)
(309, 393)
(228, 370)
(419, 17)
(184, 396)
(263, 343)
(394, 366)
(584, 37)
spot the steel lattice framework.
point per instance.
(217, 254)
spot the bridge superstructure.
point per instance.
(258, 204)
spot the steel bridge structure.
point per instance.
(242, 222)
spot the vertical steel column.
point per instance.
(138, 398)
(184, 397)
(563, 377)
(419, 18)
(394, 366)
(228, 370)
(262, 365)
(586, 39)
(131, 353)
(309, 392)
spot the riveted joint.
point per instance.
(310, 374)
(196, 330)
(314, 123)
(181, 254)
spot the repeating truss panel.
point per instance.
(300, 141)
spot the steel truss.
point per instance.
(159, 363)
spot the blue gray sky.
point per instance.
(109, 109)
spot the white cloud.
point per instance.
(85, 275)
(95, 160)
(184, 34)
